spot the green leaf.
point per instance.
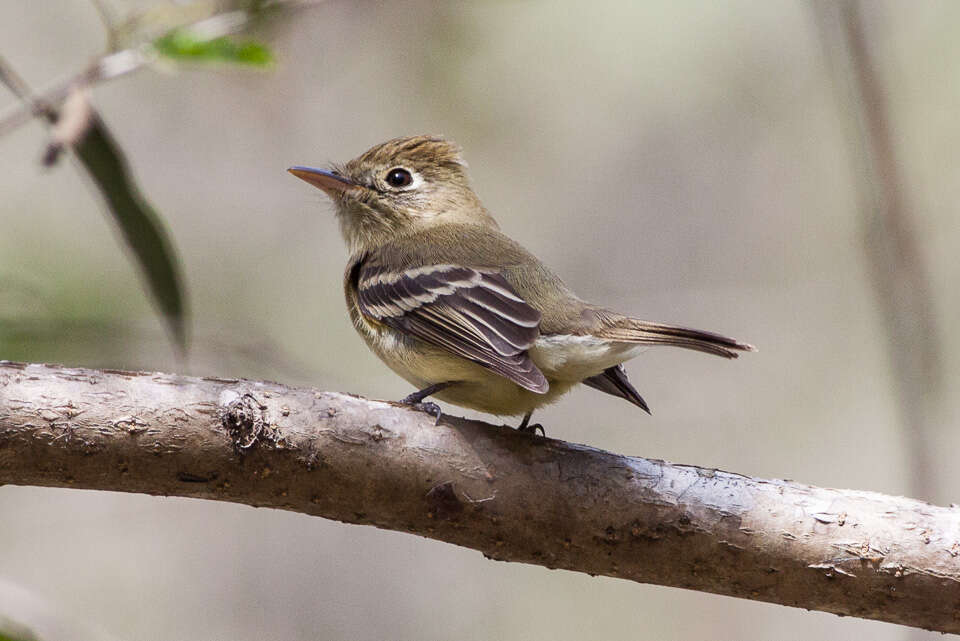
(141, 227)
(183, 46)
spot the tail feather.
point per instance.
(633, 330)
(614, 381)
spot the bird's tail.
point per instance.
(632, 330)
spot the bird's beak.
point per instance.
(333, 184)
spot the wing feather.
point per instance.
(473, 313)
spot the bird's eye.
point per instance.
(399, 177)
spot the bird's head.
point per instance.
(399, 187)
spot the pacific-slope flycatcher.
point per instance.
(460, 310)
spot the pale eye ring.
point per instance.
(399, 177)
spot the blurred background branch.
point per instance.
(897, 265)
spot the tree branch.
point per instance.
(513, 496)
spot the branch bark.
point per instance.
(513, 496)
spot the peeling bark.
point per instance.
(513, 496)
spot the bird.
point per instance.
(459, 309)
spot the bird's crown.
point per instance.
(433, 154)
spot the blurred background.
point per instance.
(703, 163)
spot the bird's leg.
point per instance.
(417, 397)
(526, 427)
(415, 400)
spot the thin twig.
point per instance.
(120, 63)
(109, 67)
(44, 104)
(18, 85)
(109, 19)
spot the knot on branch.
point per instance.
(443, 501)
(245, 419)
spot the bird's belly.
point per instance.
(573, 358)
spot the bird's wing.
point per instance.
(472, 312)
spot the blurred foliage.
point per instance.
(12, 631)
(161, 19)
(197, 32)
(181, 45)
(141, 227)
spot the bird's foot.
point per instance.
(531, 429)
(526, 427)
(416, 401)
(423, 406)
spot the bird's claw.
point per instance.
(427, 407)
